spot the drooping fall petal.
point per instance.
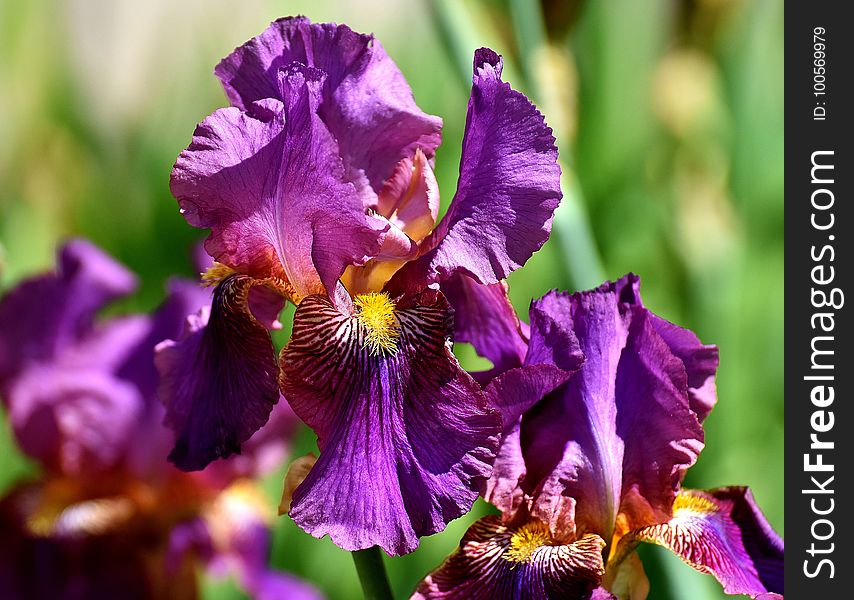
(405, 435)
(724, 533)
(496, 562)
(219, 383)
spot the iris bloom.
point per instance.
(602, 417)
(317, 186)
(109, 517)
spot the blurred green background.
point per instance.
(669, 118)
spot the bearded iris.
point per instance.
(108, 516)
(602, 417)
(317, 186)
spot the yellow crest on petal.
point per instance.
(526, 540)
(375, 311)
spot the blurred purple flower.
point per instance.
(601, 420)
(109, 516)
(318, 188)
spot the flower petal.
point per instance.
(366, 102)
(484, 318)
(700, 360)
(724, 533)
(405, 436)
(508, 190)
(620, 428)
(45, 314)
(269, 184)
(219, 383)
(480, 569)
(410, 197)
(553, 356)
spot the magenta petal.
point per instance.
(724, 533)
(480, 569)
(269, 184)
(366, 102)
(406, 438)
(508, 189)
(219, 383)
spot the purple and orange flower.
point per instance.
(602, 417)
(318, 188)
(109, 517)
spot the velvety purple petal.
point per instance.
(405, 435)
(481, 569)
(219, 383)
(508, 189)
(620, 428)
(484, 318)
(269, 184)
(262, 454)
(45, 314)
(366, 102)
(724, 533)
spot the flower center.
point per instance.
(375, 311)
(526, 540)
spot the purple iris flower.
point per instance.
(109, 517)
(317, 186)
(602, 417)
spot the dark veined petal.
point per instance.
(366, 102)
(270, 185)
(508, 189)
(724, 533)
(621, 427)
(496, 562)
(405, 435)
(219, 383)
(484, 318)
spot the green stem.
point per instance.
(372, 575)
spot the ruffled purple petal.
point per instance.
(482, 570)
(366, 102)
(620, 429)
(700, 360)
(508, 190)
(219, 383)
(724, 533)
(484, 318)
(269, 184)
(405, 436)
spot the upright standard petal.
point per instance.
(269, 184)
(496, 562)
(405, 435)
(508, 190)
(618, 436)
(724, 533)
(219, 383)
(366, 101)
